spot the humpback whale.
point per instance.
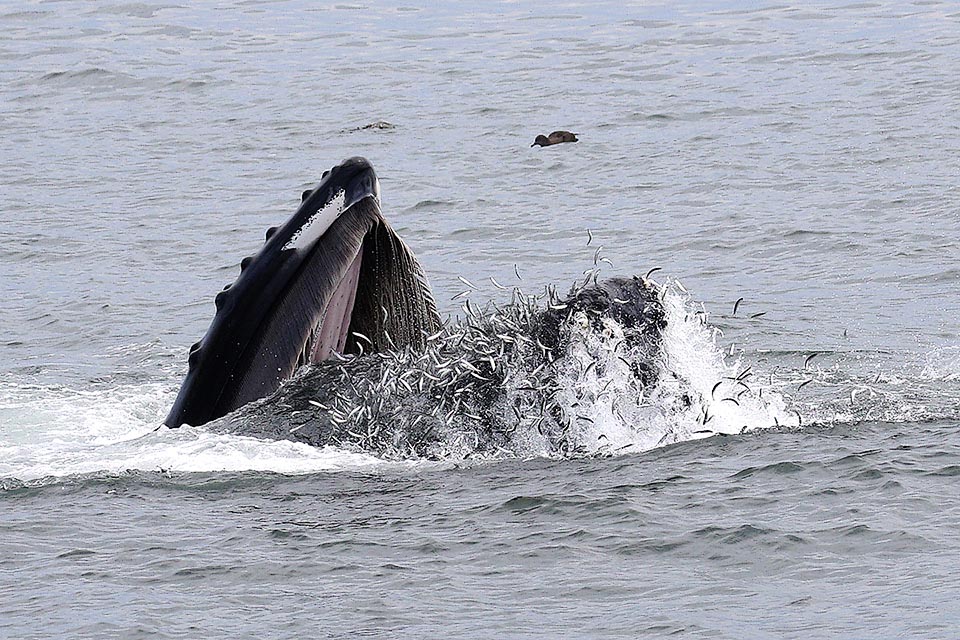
(335, 278)
(330, 336)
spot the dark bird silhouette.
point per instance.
(554, 138)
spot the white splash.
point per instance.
(610, 412)
(62, 432)
(942, 364)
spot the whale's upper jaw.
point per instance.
(342, 187)
(294, 301)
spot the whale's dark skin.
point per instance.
(334, 277)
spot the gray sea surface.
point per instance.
(804, 158)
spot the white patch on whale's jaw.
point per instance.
(304, 237)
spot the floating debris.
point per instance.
(379, 124)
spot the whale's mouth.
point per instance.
(335, 278)
(330, 334)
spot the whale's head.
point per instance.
(332, 278)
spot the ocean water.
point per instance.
(802, 158)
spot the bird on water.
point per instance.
(554, 138)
